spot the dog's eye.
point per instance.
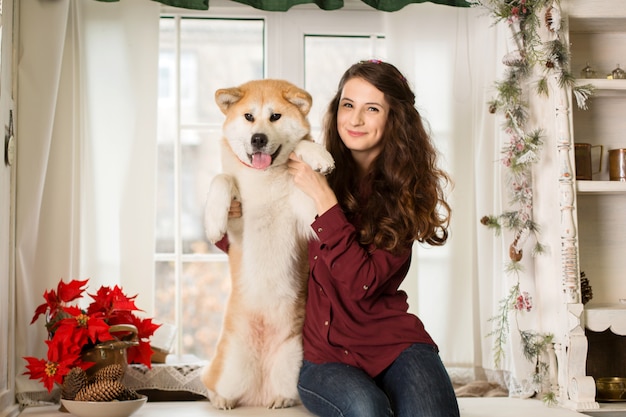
(275, 116)
(249, 117)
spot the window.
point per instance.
(200, 53)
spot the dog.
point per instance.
(259, 352)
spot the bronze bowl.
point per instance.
(611, 388)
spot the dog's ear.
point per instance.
(226, 97)
(299, 98)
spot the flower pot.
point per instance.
(112, 351)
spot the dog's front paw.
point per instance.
(217, 206)
(316, 156)
(282, 402)
(325, 163)
(220, 402)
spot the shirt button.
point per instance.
(345, 351)
(365, 287)
(315, 257)
(326, 323)
(319, 230)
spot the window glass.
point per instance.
(325, 60)
(204, 291)
(200, 162)
(221, 53)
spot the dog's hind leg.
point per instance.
(230, 375)
(284, 368)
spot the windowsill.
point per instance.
(470, 407)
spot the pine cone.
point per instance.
(103, 390)
(113, 372)
(74, 381)
(128, 394)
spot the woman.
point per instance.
(364, 354)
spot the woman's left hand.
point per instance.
(311, 183)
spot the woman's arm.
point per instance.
(361, 271)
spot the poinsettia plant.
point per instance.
(73, 330)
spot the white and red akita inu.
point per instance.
(259, 352)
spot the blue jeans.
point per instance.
(416, 384)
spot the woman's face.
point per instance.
(361, 119)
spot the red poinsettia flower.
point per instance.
(140, 353)
(72, 329)
(111, 302)
(72, 290)
(52, 370)
(65, 293)
(81, 329)
(145, 329)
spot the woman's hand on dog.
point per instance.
(311, 183)
(234, 211)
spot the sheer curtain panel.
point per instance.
(87, 76)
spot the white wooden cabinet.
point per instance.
(597, 37)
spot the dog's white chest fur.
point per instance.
(274, 229)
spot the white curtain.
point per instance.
(86, 125)
(453, 57)
(87, 97)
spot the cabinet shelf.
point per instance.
(596, 32)
(605, 87)
(601, 187)
(607, 409)
(596, 16)
(603, 83)
(602, 316)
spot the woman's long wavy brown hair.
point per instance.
(407, 201)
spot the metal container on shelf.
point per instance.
(617, 164)
(611, 388)
(618, 73)
(588, 72)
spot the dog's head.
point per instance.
(265, 119)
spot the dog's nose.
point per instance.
(259, 140)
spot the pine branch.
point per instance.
(582, 93)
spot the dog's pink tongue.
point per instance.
(261, 160)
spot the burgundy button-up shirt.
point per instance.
(355, 313)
